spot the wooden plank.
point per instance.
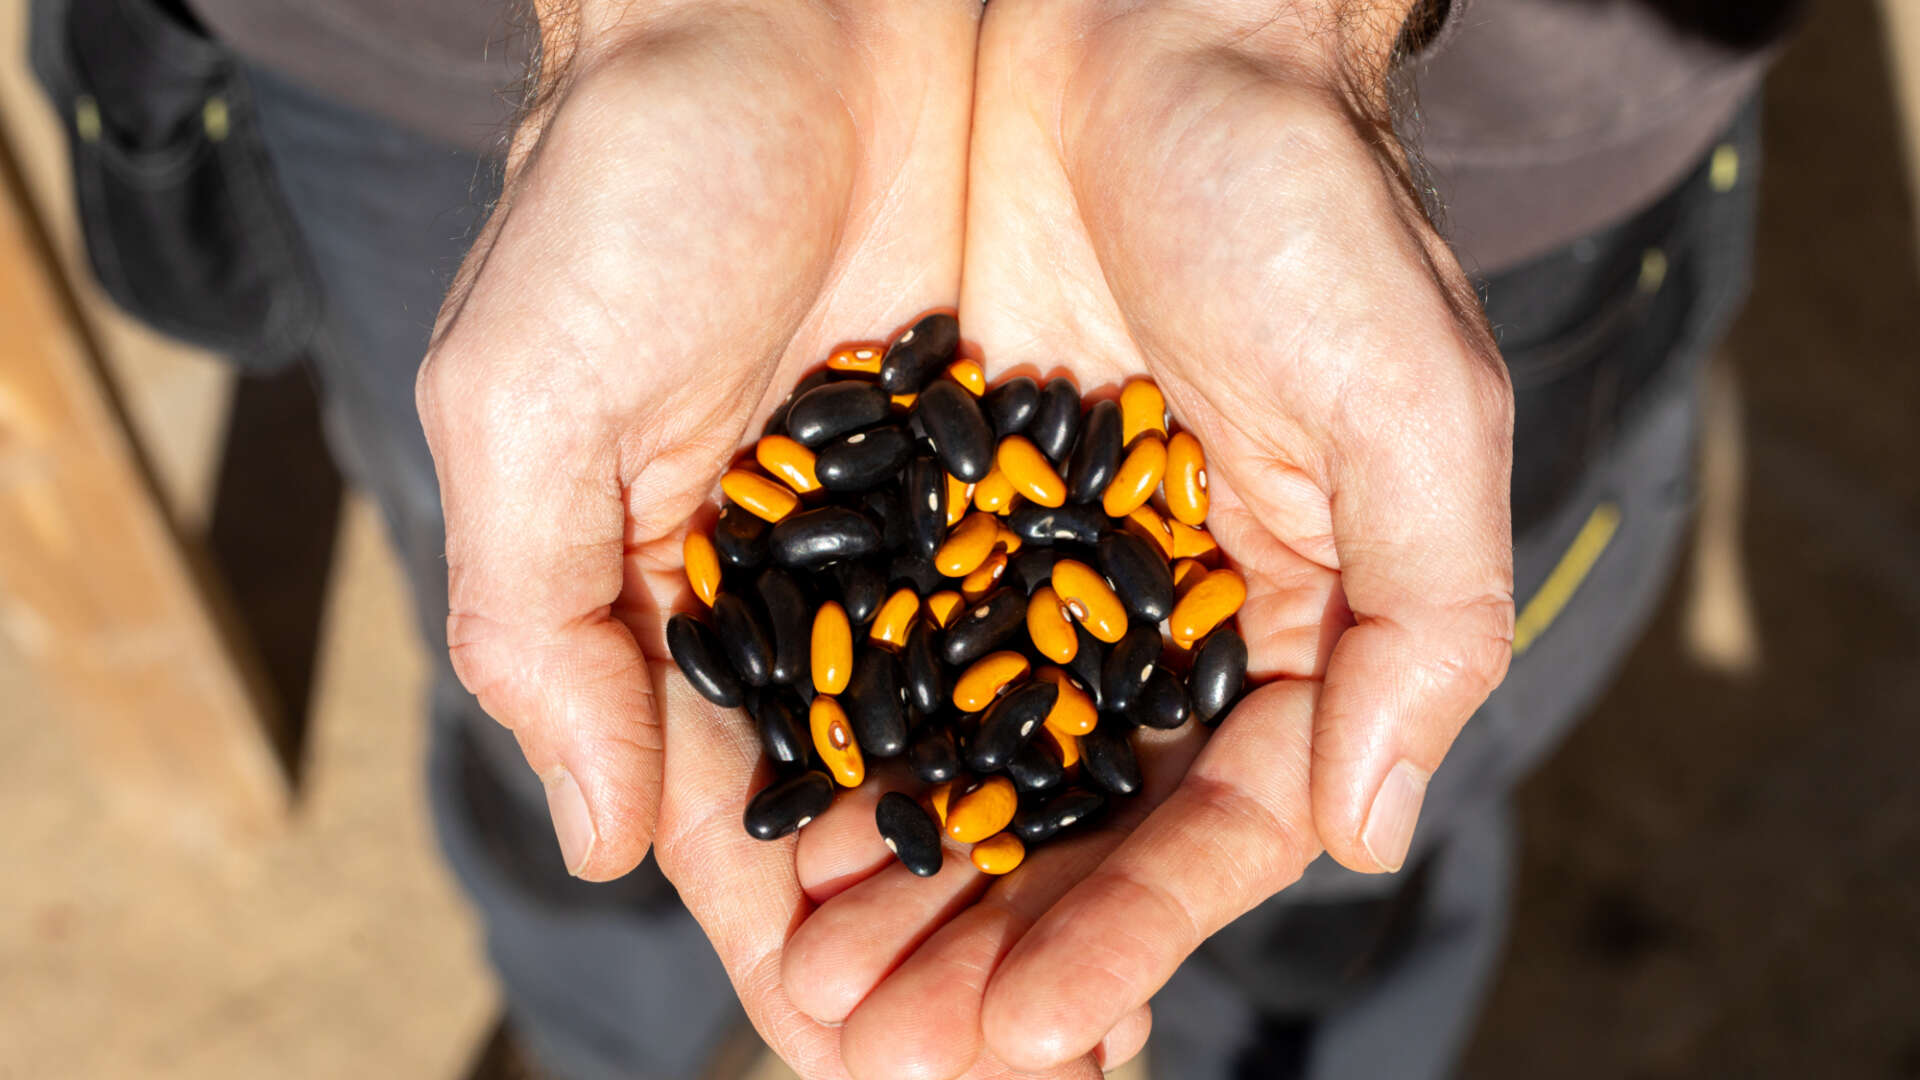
(96, 588)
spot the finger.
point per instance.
(1126, 1040)
(842, 847)
(742, 891)
(1422, 525)
(1236, 830)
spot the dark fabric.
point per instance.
(183, 223)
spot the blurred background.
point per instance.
(1721, 868)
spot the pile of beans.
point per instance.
(974, 579)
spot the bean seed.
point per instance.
(829, 411)
(834, 742)
(1106, 758)
(1219, 670)
(777, 423)
(783, 807)
(789, 622)
(1010, 722)
(740, 538)
(1139, 574)
(1047, 526)
(831, 655)
(944, 606)
(876, 704)
(759, 496)
(926, 503)
(974, 815)
(1057, 420)
(920, 665)
(971, 377)
(1128, 667)
(909, 833)
(959, 432)
(1029, 472)
(1208, 604)
(918, 354)
(861, 358)
(862, 590)
(1142, 409)
(863, 459)
(743, 638)
(987, 678)
(1189, 542)
(967, 546)
(813, 538)
(1089, 600)
(1097, 456)
(697, 652)
(994, 495)
(782, 728)
(984, 627)
(1161, 703)
(896, 617)
(1185, 483)
(1043, 819)
(998, 854)
(702, 561)
(915, 572)
(1034, 767)
(932, 754)
(1088, 665)
(1073, 712)
(1139, 473)
(1048, 626)
(1011, 405)
(786, 459)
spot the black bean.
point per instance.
(959, 432)
(1088, 665)
(1057, 420)
(1041, 818)
(984, 627)
(1010, 722)
(863, 588)
(744, 638)
(863, 459)
(1162, 703)
(1128, 667)
(926, 679)
(698, 654)
(876, 705)
(921, 352)
(1106, 758)
(790, 619)
(1031, 567)
(888, 512)
(1011, 405)
(784, 806)
(910, 832)
(741, 538)
(926, 501)
(1219, 670)
(777, 423)
(832, 409)
(1035, 767)
(1139, 574)
(814, 538)
(782, 726)
(1078, 523)
(914, 572)
(1097, 455)
(932, 754)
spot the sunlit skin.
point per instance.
(716, 198)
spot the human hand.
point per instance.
(1211, 198)
(705, 197)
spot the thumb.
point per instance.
(535, 559)
(1422, 531)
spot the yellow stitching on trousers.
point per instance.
(1546, 604)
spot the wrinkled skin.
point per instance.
(709, 200)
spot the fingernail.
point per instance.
(1396, 810)
(571, 822)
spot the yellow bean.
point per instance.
(895, 618)
(1142, 408)
(832, 657)
(987, 678)
(1073, 712)
(982, 580)
(1048, 626)
(994, 494)
(967, 546)
(985, 810)
(833, 740)
(998, 854)
(703, 566)
(1029, 471)
(968, 374)
(1139, 473)
(943, 606)
(1088, 598)
(758, 495)
(857, 358)
(789, 461)
(1208, 604)
(1186, 481)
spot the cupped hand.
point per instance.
(1213, 201)
(706, 197)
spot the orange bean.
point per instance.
(832, 654)
(864, 358)
(1208, 604)
(985, 810)
(1145, 521)
(758, 495)
(1139, 473)
(789, 461)
(968, 374)
(1189, 542)
(833, 740)
(967, 546)
(998, 854)
(1185, 483)
(994, 494)
(1048, 626)
(1029, 471)
(1073, 712)
(943, 606)
(703, 566)
(1065, 747)
(959, 495)
(987, 678)
(1090, 600)
(1142, 409)
(895, 618)
(981, 581)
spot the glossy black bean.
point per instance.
(917, 573)
(876, 704)
(833, 409)
(863, 459)
(1139, 573)
(1010, 722)
(1012, 405)
(781, 724)
(1042, 817)
(1162, 703)
(777, 423)
(920, 661)
(741, 538)
(863, 588)
(984, 627)
(1034, 767)
(952, 419)
(1096, 457)
(1079, 523)
(888, 512)
(697, 652)
(1219, 670)
(1031, 567)
(784, 806)
(910, 833)
(1106, 758)
(1088, 665)
(814, 538)
(923, 351)
(932, 754)
(925, 496)
(743, 638)
(790, 621)
(1056, 422)
(1128, 667)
